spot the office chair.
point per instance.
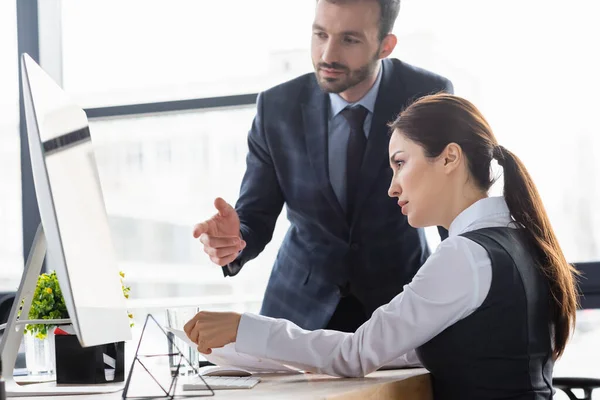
(6, 302)
(567, 385)
(589, 285)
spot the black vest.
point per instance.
(502, 350)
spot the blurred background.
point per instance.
(169, 88)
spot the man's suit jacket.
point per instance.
(322, 254)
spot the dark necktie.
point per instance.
(357, 142)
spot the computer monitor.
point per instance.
(74, 231)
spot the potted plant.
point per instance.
(49, 303)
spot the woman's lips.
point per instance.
(402, 205)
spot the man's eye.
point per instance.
(351, 41)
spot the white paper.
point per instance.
(181, 335)
(228, 356)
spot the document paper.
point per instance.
(228, 356)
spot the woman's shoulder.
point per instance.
(457, 253)
(456, 244)
(456, 272)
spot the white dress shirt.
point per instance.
(452, 284)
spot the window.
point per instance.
(181, 49)
(11, 237)
(528, 67)
(153, 204)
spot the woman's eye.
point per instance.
(399, 163)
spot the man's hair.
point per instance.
(389, 10)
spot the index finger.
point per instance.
(204, 350)
(218, 242)
(189, 326)
(200, 228)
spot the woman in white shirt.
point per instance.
(488, 312)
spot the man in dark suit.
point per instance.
(319, 144)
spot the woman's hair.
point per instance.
(435, 121)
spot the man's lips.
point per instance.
(331, 71)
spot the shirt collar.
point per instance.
(485, 209)
(337, 103)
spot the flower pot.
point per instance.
(104, 363)
(40, 355)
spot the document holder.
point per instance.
(155, 379)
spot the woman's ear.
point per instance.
(451, 157)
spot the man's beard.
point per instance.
(348, 79)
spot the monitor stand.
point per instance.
(11, 340)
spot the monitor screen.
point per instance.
(72, 210)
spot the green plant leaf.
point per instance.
(48, 303)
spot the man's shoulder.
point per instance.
(419, 80)
(292, 92)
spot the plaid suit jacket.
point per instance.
(322, 255)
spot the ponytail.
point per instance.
(526, 208)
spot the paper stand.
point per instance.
(170, 391)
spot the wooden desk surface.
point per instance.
(413, 384)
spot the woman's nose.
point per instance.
(394, 190)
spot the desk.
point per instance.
(413, 384)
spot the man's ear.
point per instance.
(451, 157)
(387, 45)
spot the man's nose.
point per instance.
(330, 52)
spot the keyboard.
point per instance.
(221, 382)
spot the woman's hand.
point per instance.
(210, 330)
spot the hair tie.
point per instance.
(499, 153)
